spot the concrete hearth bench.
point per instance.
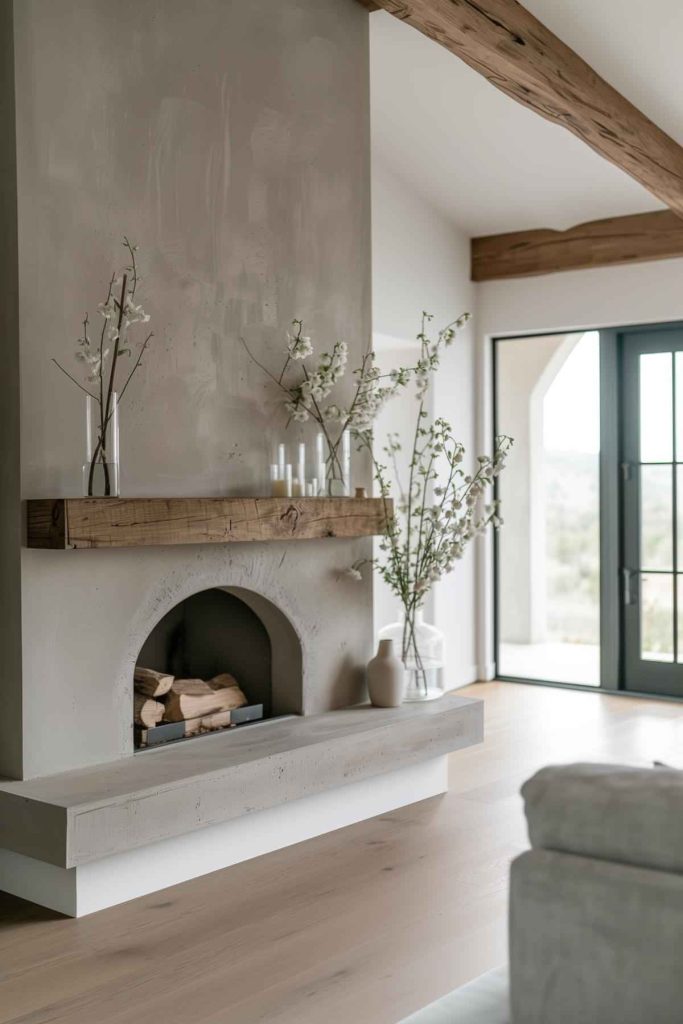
(86, 816)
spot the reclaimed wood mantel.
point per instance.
(61, 523)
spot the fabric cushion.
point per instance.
(593, 942)
(484, 1001)
(629, 815)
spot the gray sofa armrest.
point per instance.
(592, 942)
(628, 815)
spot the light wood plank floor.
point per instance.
(365, 925)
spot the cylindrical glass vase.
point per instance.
(101, 466)
(338, 467)
(420, 647)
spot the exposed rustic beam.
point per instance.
(512, 49)
(61, 523)
(599, 243)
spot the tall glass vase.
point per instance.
(421, 649)
(101, 466)
(338, 467)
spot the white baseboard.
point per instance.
(464, 677)
(125, 876)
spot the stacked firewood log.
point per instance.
(202, 705)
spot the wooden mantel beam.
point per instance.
(515, 52)
(600, 243)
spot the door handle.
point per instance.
(630, 591)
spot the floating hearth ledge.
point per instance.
(83, 840)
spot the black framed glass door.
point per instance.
(651, 490)
(589, 564)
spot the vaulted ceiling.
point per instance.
(489, 164)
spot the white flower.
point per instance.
(333, 413)
(297, 411)
(298, 346)
(134, 314)
(353, 574)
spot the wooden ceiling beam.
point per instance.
(515, 52)
(599, 243)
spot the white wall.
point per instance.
(420, 261)
(606, 297)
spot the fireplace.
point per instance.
(203, 644)
(84, 821)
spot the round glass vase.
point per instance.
(101, 466)
(421, 649)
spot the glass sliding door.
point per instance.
(548, 551)
(652, 491)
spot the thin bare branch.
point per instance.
(134, 266)
(264, 368)
(73, 379)
(137, 363)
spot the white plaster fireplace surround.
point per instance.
(83, 706)
(229, 140)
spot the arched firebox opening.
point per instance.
(221, 658)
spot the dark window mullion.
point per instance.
(674, 504)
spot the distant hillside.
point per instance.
(571, 500)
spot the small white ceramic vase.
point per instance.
(386, 677)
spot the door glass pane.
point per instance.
(656, 617)
(679, 584)
(679, 406)
(656, 518)
(548, 399)
(656, 414)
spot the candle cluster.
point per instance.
(289, 480)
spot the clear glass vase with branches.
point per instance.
(307, 386)
(441, 507)
(106, 377)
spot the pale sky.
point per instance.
(656, 401)
(571, 407)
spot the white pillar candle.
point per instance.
(346, 461)
(301, 468)
(277, 484)
(288, 479)
(281, 460)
